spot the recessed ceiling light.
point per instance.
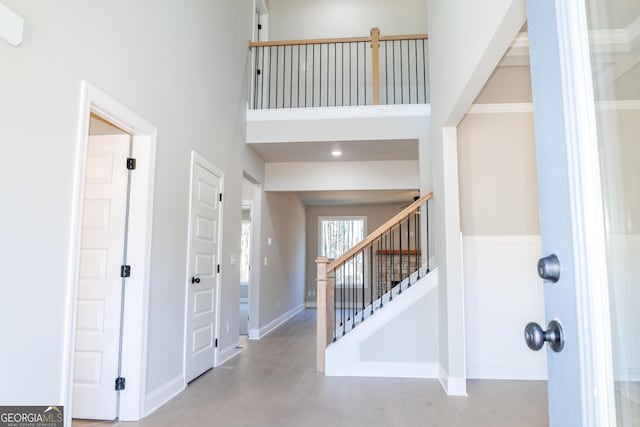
(336, 153)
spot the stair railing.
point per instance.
(336, 72)
(370, 275)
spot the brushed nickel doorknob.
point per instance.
(535, 337)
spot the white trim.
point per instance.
(500, 108)
(261, 7)
(323, 113)
(618, 105)
(229, 352)
(453, 386)
(11, 26)
(521, 40)
(134, 360)
(587, 217)
(206, 164)
(163, 394)
(507, 371)
(633, 29)
(395, 370)
(311, 304)
(257, 334)
(527, 107)
(255, 273)
(244, 301)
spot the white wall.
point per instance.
(411, 338)
(501, 242)
(399, 340)
(163, 62)
(333, 176)
(303, 19)
(371, 123)
(502, 294)
(377, 123)
(464, 49)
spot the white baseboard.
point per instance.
(257, 334)
(453, 386)
(254, 334)
(163, 394)
(229, 352)
(309, 304)
(392, 370)
(506, 371)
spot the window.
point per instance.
(337, 235)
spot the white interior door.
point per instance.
(100, 285)
(585, 60)
(204, 229)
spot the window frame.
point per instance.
(322, 218)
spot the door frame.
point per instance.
(248, 204)
(255, 258)
(135, 316)
(199, 159)
(565, 40)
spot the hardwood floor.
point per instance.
(272, 383)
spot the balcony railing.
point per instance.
(340, 71)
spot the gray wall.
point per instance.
(282, 280)
(300, 19)
(376, 216)
(180, 65)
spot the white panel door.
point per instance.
(100, 284)
(204, 229)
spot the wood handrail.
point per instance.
(253, 44)
(378, 232)
(407, 37)
(309, 41)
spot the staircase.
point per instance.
(370, 287)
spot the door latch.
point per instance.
(549, 268)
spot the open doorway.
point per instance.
(246, 237)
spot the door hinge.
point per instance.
(131, 163)
(259, 26)
(259, 72)
(216, 342)
(120, 383)
(220, 196)
(125, 271)
(218, 268)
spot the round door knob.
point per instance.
(535, 336)
(195, 280)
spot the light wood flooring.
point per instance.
(272, 383)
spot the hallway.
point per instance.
(272, 383)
